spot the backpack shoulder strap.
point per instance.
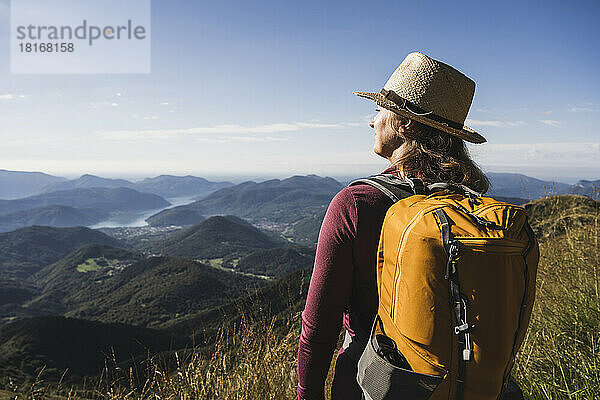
(390, 185)
(456, 188)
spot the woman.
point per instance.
(419, 129)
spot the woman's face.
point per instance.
(386, 139)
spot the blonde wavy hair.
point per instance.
(434, 156)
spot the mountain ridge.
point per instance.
(104, 199)
(26, 250)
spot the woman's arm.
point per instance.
(328, 295)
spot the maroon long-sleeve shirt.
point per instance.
(343, 289)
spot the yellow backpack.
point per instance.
(456, 281)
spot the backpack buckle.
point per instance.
(463, 328)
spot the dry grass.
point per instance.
(560, 358)
(255, 360)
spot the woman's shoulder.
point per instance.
(358, 196)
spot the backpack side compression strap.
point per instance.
(459, 305)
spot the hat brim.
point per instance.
(465, 133)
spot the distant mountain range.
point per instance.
(522, 186)
(55, 215)
(275, 200)
(102, 199)
(590, 189)
(178, 186)
(87, 181)
(293, 207)
(19, 184)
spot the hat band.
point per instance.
(412, 108)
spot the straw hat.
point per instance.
(430, 92)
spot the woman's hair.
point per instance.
(433, 156)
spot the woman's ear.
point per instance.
(405, 125)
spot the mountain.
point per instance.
(305, 231)
(277, 299)
(275, 200)
(25, 251)
(87, 181)
(14, 293)
(554, 215)
(590, 189)
(82, 347)
(88, 263)
(276, 262)
(57, 216)
(17, 184)
(158, 289)
(103, 199)
(512, 200)
(216, 237)
(177, 216)
(177, 186)
(522, 186)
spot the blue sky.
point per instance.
(242, 88)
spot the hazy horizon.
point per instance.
(244, 176)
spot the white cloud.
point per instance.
(164, 103)
(11, 96)
(571, 154)
(476, 122)
(232, 130)
(494, 123)
(550, 122)
(118, 94)
(583, 107)
(151, 117)
(548, 112)
(105, 103)
(260, 139)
